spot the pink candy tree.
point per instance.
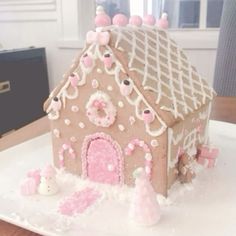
(144, 208)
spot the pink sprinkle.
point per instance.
(79, 201)
(65, 146)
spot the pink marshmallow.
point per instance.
(120, 20)
(74, 79)
(35, 174)
(149, 20)
(108, 61)
(56, 104)
(148, 116)
(87, 61)
(28, 187)
(135, 20)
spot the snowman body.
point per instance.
(47, 186)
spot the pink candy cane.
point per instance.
(65, 147)
(148, 156)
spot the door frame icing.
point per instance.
(116, 146)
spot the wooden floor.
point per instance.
(223, 109)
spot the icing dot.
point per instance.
(109, 88)
(99, 71)
(75, 108)
(95, 83)
(120, 49)
(148, 157)
(73, 139)
(121, 127)
(120, 104)
(131, 120)
(110, 167)
(56, 132)
(81, 125)
(67, 121)
(154, 143)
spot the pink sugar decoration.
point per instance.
(148, 116)
(56, 104)
(78, 202)
(108, 61)
(102, 20)
(149, 20)
(65, 146)
(135, 20)
(28, 187)
(120, 20)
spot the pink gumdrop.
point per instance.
(87, 61)
(148, 116)
(102, 20)
(56, 104)
(120, 20)
(48, 171)
(149, 20)
(135, 20)
(28, 187)
(162, 23)
(108, 61)
(74, 79)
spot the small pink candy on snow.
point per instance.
(120, 20)
(28, 187)
(107, 60)
(35, 174)
(149, 20)
(163, 23)
(74, 79)
(135, 20)
(48, 171)
(87, 61)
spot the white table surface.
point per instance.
(206, 207)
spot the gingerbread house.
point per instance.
(130, 99)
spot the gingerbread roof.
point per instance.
(163, 79)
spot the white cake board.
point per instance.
(207, 207)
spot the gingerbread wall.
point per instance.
(73, 126)
(187, 135)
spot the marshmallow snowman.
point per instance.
(48, 185)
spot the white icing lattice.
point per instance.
(163, 69)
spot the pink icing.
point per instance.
(97, 164)
(149, 20)
(135, 20)
(65, 147)
(56, 104)
(28, 187)
(163, 23)
(101, 38)
(120, 20)
(78, 202)
(102, 20)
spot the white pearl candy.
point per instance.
(67, 121)
(75, 108)
(120, 104)
(154, 143)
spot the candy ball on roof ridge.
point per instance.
(149, 20)
(102, 19)
(120, 20)
(163, 22)
(135, 20)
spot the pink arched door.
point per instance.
(103, 160)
